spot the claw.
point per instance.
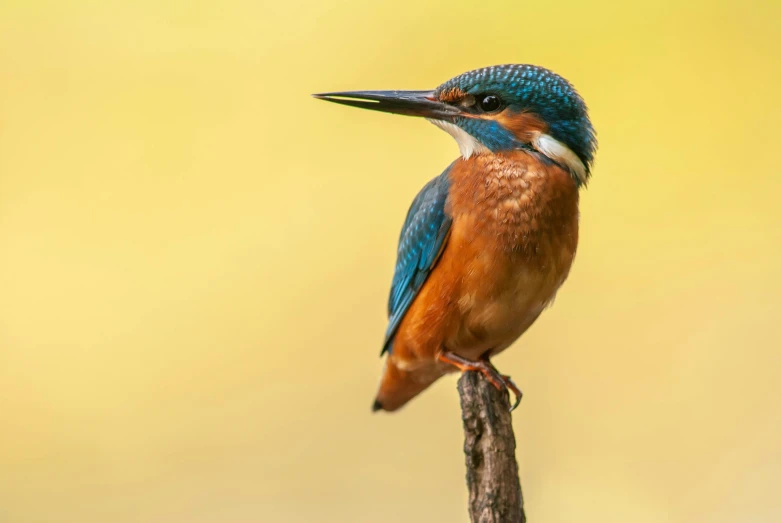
(508, 381)
(487, 369)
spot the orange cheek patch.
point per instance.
(525, 126)
(454, 94)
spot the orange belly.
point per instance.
(478, 301)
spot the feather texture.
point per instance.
(422, 239)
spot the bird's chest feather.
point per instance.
(514, 235)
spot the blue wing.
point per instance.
(422, 240)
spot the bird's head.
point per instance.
(499, 108)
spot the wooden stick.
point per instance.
(489, 444)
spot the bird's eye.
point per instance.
(489, 103)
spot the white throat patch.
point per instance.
(467, 143)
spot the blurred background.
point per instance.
(195, 258)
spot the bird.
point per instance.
(487, 244)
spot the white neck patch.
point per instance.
(560, 153)
(467, 143)
(544, 143)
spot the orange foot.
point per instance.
(487, 369)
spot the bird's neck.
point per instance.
(518, 196)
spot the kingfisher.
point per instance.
(485, 245)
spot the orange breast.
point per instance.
(512, 242)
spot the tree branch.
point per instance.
(489, 444)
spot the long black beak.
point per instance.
(410, 103)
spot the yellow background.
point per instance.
(195, 258)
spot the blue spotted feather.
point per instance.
(422, 240)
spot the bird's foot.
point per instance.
(487, 369)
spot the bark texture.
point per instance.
(489, 444)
